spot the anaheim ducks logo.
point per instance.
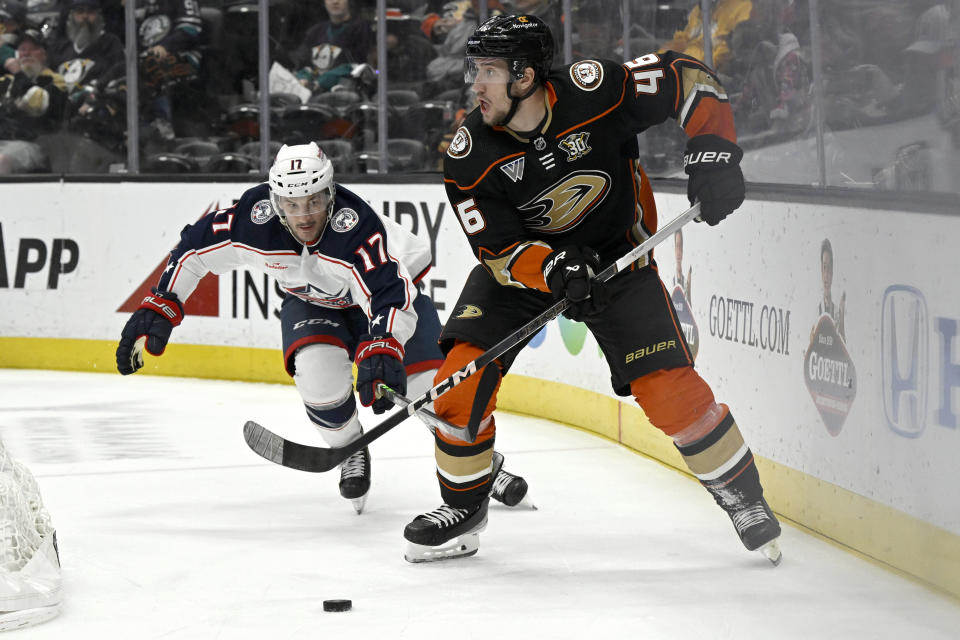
(467, 311)
(74, 71)
(587, 74)
(565, 204)
(461, 144)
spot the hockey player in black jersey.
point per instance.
(544, 178)
(350, 279)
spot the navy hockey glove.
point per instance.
(569, 273)
(713, 164)
(379, 359)
(154, 319)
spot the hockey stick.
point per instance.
(319, 459)
(429, 418)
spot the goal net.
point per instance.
(30, 579)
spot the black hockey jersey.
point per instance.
(361, 259)
(576, 180)
(175, 24)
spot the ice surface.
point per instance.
(169, 527)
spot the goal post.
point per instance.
(30, 578)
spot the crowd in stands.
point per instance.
(63, 88)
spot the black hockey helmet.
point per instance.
(522, 40)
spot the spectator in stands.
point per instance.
(768, 72)
(862, 51)
(31, 102)
(88, 57)
(456, 23)
(597, 31)
(13, 16)
(87, 51)
(921, 86)
(169, 36)
(726, 15)
(791, 75)
(408, 50)
(331, 48)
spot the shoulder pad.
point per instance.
(590, 75)
(471, 151)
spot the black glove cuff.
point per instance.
(710, 152)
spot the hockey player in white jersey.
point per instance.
(349, 278)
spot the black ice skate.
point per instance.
(757, 527)
(355, 478)
(507, 488)
(444, 533)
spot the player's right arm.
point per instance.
(497, 238)
(204, 247)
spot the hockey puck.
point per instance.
(337, 605)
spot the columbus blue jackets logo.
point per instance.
(261, 212)
(461, 144)
(587, 74)
(344, 220)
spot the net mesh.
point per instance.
(24, 522)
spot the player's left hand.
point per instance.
(379, 359)
(569, 273)
(713, 164)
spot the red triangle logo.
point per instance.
(204, 301)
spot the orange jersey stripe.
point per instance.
(526, 269)
(484, 174)
(712, 116)
(623, 92)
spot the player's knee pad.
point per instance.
(324, 379)
(472, 401)
(673, 399)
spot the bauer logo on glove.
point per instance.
(716, 182)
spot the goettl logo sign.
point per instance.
(829, 374)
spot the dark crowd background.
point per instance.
(862, 94)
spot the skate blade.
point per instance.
(464, 546)
(359, 503)
(771, 551)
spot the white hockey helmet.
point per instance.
(300, 170)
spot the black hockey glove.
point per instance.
(379, 359)
(569, 273)
(713, 164)
(154, 319)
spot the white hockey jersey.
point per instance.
(362, 259)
